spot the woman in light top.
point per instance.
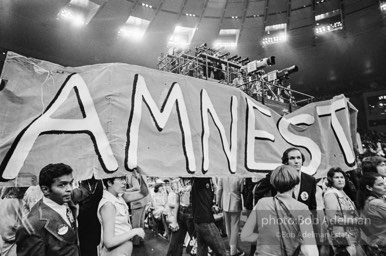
(342, 215)
(283, 224)
(113, 214)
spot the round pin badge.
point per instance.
(62, 230)
(304, 195)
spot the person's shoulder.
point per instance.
(33, 224)
(308, 177)
(264, 201)
(299, 207)
(377, 202)
(329, 192)
(265, 179)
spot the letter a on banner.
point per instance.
(44, 124)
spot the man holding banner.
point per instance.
(202, 195)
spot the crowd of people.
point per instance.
(288, 212)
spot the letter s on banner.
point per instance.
(300, 141)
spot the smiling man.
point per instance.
(50, 228)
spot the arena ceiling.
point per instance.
(344, 61)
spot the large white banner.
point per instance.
(107, 119)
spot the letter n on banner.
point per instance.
(44, 124)
(230, 149)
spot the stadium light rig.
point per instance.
(78, 12)
(382, 6)
(328, 22)
(181, 37)
(275, 34)
(134, 28)
(220, 43)
(227, 38)
(147, 5)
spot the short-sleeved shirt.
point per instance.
(268, 241)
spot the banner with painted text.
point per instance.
(107, 119)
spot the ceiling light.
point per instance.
(78, 12)
(276, 33)
(382, 6)
(134, 28)
(181, 37)
(328, 22)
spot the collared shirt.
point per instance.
(60, 209)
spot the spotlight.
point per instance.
(224, 55)
(284, 73)
(244, 60)
(202, 45)
(237, 59)
(259, 64)
(233, 57)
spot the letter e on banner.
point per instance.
(302, 141)
(252, 134)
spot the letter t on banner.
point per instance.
(338, 129)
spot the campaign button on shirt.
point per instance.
(62, 230)
(304, 196)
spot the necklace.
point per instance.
(92, 191)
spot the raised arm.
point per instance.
(130, 196)
(219, 191)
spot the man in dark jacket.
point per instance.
(304, 192)
(202, 195)
(50, 228)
